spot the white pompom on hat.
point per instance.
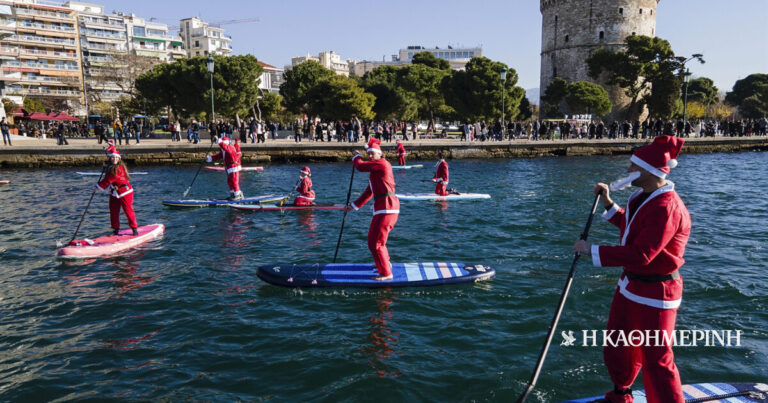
(374, 145)
(660, 156)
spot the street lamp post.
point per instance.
(210, 64)
(687, 75)
(503, 80)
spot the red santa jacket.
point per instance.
(118, 181)
(652, 244)
(304, 188)
(400, 149)
(381, 186)
(441, 174)
(230, 154)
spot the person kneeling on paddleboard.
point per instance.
(654, 230)
(231, 156)
(306, 195)
(386, 206)
(117, 180)
(441, 176)
(400, 153)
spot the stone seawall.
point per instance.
(164, 153)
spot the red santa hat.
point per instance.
(374, 145)
(224, 140)
(397, 140)
(660, 156)
(111, 150)
(306, 171)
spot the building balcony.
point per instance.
(40, 65)
(103, 35)
(44, 13)
(50, 53)
(57, 81)
(59, 93)
(15, 39)
(46, 27)
(102, 24)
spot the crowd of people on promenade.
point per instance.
(252, 130)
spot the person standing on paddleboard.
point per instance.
(231, 156)
(117, 180)
(306, 195)
(441, 176)
(400, 153)
(654, 230)
(386, 206)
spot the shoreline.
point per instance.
(35, 153)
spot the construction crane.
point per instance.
(218, 24)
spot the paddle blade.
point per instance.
(186, 192)
(59, 244)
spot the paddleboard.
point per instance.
(274, 207)
(3, 183)
(407, 166)
(222, 202)
(740, 392)
(432, 196)
(111, 244)
(361, 274)
(99, 173)
(217, 168)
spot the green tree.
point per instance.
(476, 93)
(587, 97)
(553, 97)
(756, 106)
(663, 99)
(702, 90)
(643, 62)
(428, 59)
(299, 81)
(424, 84)
(392, 101)
(340, 98)
(526, 109)
(270, 105)
(33, 105)
(8, 106)
(745, 88)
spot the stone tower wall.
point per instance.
(571, 31)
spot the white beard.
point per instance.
(625, 182)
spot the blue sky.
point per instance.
(732, 35)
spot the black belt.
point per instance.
(383, 195)
(653, 279)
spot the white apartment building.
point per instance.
(327, 59)
(457, 57)
(359, 68)
(271, 78)
(200, 39)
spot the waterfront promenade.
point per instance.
(30, 152)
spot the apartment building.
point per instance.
(200, 39)
(456, 57)
(40, 52)
(271, 78)
(327, 59)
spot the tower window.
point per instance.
(554, 72)
(566, 38)
(602, 34)
(633, 34)
(651, 12)
(641, 11)
(621, 10)
(555, 18)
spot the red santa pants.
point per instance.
(660, 377)
(302, 201)
(126, 202)
(440, 189)
(381, 224)
(401, 159)
(233, 181)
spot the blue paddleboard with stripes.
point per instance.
(723, 392)
(362, 274)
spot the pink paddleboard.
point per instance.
(273, 207)
(112, 244)
(3, 183)
(218, 168)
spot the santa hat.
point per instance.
(660, 156)
(224, 140)
(374, 145)
(306, 171)
(111, 150)
(397, 140)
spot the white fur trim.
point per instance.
(114, 155)
(670, 186)
(377, 212)
(354, 206)
(595, 251)
(116, 195)
(608, 214)
(234, 169)
(208, 158)
(305, 172)
(656, 303)
(648, 167)
(375, 150)
(305, 197)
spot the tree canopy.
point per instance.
(340, 98)
(476, 92)
(299, 81)
(587, 97)
(702, 90)
(392, 101)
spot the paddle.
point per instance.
(559, 310)
(103, 169)
(291, 192)
(186, 192)
(344, 217)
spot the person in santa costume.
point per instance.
(400, 153)
(386, 206)
(306, 195)
(231, 155)
(654, 229)
(441, 176)
(117, 180)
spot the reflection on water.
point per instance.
(382, 341)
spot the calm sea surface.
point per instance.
(186, 318)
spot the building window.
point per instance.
(621, 10)
(651, 12)
(602, 34)
(197, 44)
(633, 34)
(555, 18)
(641, 11)
(139, 31)
(566, 38)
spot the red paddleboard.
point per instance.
(3, 183)
(218, 168)
(274, 207)
(112, 244)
